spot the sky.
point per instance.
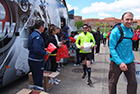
(104, 8)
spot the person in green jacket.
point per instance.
(104, 38)
(85, 42)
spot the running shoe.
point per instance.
(89, 82)
(84, 75)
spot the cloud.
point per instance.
(100, 7)
(136, 12)
(116, 6)
(70, 7)
(103, 14)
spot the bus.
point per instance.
(16, 18)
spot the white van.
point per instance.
(16, 16)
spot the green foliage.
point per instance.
(97, 24)
(138, 26)
(79, 30)
(104, 29)
(79, 24)
(101, 25)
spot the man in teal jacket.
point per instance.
(122, 57)
(84, 39)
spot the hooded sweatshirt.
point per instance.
(65, 36)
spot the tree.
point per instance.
(105, 24)
(79, 24)
(138, 26)
(101, 25)
(97, 24)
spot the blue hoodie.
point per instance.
(123, 52)
(65, 36)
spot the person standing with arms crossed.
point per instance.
(122, 57)
(85, 37)
(36, 53)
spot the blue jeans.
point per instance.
(65, 60)
(37, 68)
(48, 65)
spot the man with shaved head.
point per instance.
(122, 57)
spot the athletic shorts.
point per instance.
(88, 56)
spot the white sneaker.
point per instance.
(75, 65)
(58, 69)
(96, 54)
(92, 61)
(57, 80)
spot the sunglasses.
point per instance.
(84, 27)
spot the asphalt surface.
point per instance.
(72, 82)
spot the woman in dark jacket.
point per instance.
(51, 39)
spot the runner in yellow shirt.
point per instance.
(85, 42)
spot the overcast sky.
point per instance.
(104, 8)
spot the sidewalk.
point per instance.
(72, 82)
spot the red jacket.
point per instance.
(108, 35)
(138, 34)
(135, 37)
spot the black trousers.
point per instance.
(104, 41)
(77, 56)
(54, 65)
(37, 68)
(136, 45)
(98, 48)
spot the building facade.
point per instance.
(136, 22)
(108, 22)
(77, 18)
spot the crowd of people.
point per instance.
(86, 46)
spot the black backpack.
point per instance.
(118, 25)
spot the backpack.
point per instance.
(118, 25)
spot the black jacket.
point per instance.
(51, 39)
(97, 37)
(45, 36)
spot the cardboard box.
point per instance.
(28, 91)
(48, 79)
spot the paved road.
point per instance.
(72, 83)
